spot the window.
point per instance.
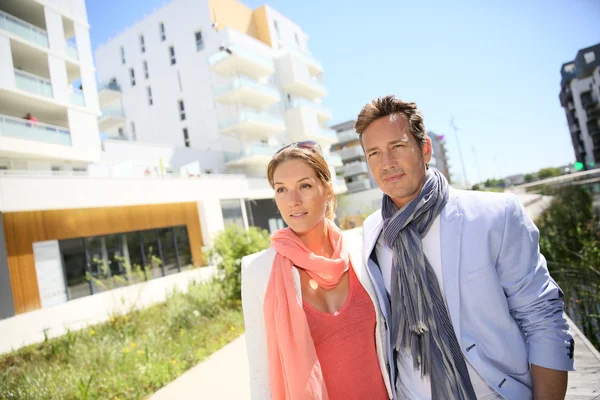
(179, 81)
(590, 57)
(277, 29)
(132, 74)
(186, 138)
(120, 130)
(297, 39)
(163, 35)
(133, 134)
(172, 54)
(199, 41)
(181, 110)
(122, 55)
(146, 74)
(150, 96)
(142, 44)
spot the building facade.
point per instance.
(579, 96)
(215, 76)
(144, 168)
(354, 170)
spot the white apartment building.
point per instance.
(215, 76)
(579, 96)
(47, 72)
(131, 174)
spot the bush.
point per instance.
(229, 246)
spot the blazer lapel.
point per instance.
(451, 231)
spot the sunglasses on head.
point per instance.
(307, 144)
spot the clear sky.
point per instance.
(493, 65)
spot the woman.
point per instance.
(311, 313)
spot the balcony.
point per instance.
(322, 113)
(359, 186)
(310, 88)
(314, 66)
(33, 83)
(24, 30)
(356, 168)
(352, 153)
(252, 124)
(235, 60)
(111, 117)
(29, 130)
(108, 92)
(76, 97)
(347, 136)
(256, 154)
(247, 91)
(333, 159)
(72, 51)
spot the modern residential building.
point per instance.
(79, 207)
(214, 75)
(579, 96)
(354, 170)
(440, 156)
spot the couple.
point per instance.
(448, 299)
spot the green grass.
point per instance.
(129, 357)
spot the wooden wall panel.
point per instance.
(22, 229)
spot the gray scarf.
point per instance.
(421, 325)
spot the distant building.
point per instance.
(440, 157)
(579, 94)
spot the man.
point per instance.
(472, 311)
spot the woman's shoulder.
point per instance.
(256, 270)
(257, 260)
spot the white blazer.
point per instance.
(256, 271)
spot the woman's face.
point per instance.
(300, 196)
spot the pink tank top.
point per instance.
(345, 344)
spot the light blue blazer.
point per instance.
(506, 309)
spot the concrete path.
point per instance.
(223, 376)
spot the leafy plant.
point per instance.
(227, 251)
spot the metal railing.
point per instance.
(33, 130)
(356, 168)
(23, 29)
(236, 83)
(351, 152)
(363, 184)
(33, 83)
(110, 85)
(77, 97)
(347, 136)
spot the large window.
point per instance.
(123, 55)
(232, 212)
(163, 35)
(172, 55)
(186, 137)
(100, 263)
(199, 41)
(181, 110)
(146, 74)
(142, 44)
(150, 102)
(132, 75)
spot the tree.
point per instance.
(528, 178)
(570, 241)
(545, 173)
(229, 247)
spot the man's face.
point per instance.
(395, 159)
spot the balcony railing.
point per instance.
(113, 112)
(357, 186)
(356, 168)
(77, 97)
(110, 85)
(23, 29)
(347, 136)
(256, 149)
(32, 130)
(351, 152)
(72, 50)
(33, 83)
(247, 114)
(236, 83)
(244, 54)
(300, 102)
(308, 59)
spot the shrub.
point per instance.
(228, 248)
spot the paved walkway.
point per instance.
(224, 376)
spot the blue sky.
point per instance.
(494, 66)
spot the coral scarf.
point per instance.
(294, 370)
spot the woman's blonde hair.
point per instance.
(315, 160)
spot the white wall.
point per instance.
(84, 133)
(23, 193)
(7, 77)
(56, 32)
(58, 78)
(211, 219)
(287, 31)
